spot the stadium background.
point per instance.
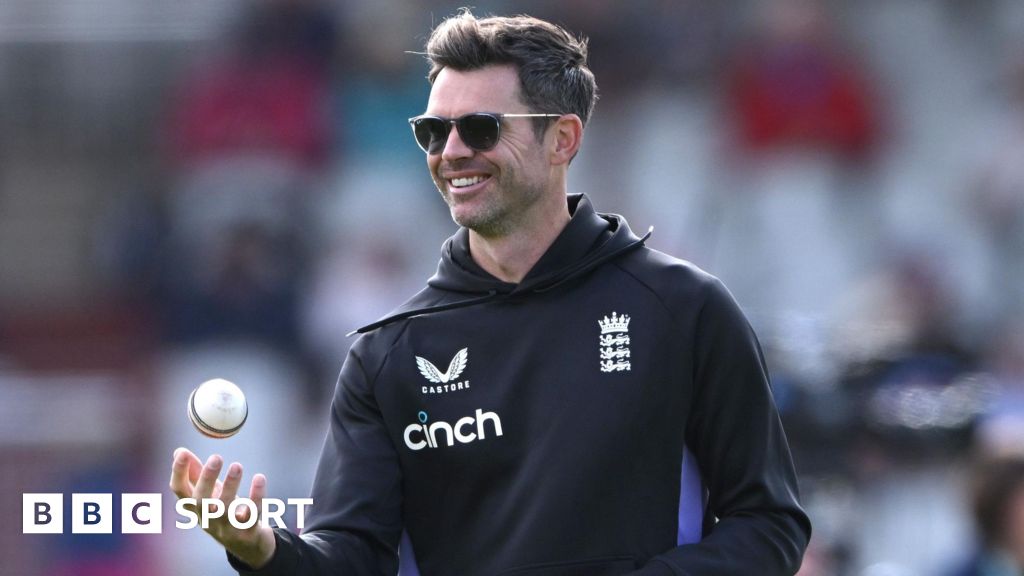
(224, 189)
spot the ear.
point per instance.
(568, 135)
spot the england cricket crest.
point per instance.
(614, 343)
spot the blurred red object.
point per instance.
(794, 86)
(234, 106)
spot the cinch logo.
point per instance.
(422, 435)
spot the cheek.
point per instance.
(517, 163)
(518, 143)
(432, 167)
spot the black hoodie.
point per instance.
(610, 414)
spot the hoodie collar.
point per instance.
(458, 271)
(589, 240)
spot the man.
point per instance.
(559, 399)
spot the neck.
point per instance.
(510, 256)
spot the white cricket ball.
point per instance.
(217, 408)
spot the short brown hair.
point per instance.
(551, 62)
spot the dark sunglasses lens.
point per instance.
(431, 134)
(479, 131)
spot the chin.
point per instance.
(464, 218)
(464, 210)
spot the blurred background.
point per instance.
(224, 188)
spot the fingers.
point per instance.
(208, 478)
(195, 466)
(258, 490)
(192, 463)
(231, 483)
(184, 473)
(192, 479)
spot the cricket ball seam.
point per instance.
(205, 428)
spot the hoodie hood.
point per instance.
(588, 240)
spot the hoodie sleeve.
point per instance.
(736, 435)
(354, 524)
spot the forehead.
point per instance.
(489, 89)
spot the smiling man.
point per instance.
(507, 190)
(620, 419)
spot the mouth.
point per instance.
(467, 184)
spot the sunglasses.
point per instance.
(479, 130)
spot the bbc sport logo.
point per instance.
(143, 513)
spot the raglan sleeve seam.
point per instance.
(661, 300)
(372, 381)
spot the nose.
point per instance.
(455, 148)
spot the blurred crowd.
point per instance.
(237, 201)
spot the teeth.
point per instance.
(463, 182)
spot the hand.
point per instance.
(191, 479)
